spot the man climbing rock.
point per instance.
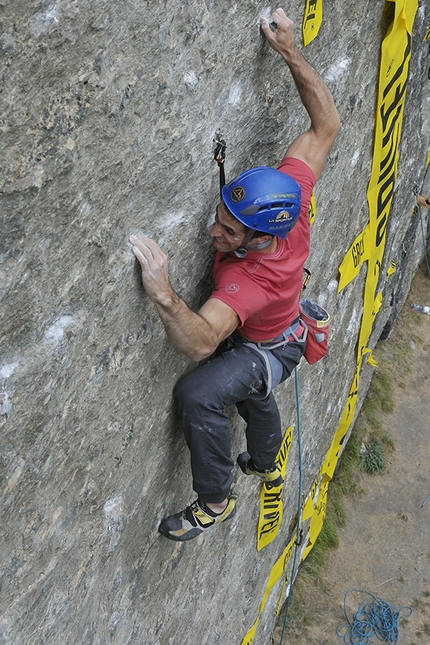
(261, 235)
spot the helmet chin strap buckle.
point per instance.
(241, 252)
(243, 249)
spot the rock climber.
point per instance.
(261, 234)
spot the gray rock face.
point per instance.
(107, 115)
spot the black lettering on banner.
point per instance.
(391, 134)
(320, 507)
(386, 138)
(389, 159)
(269, 526)
(386, 187)
(315, 486)
(357, 252)
(351, 403)
(271, 517)
(282, 454)
(385, 194)
(285, 447)
(400, 69)
(287, 556)
(271, 499)
(400, 90)
(312, 6)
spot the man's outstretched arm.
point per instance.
(312, 146)
(196, 335)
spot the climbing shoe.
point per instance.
(270, 476)
(194, 520)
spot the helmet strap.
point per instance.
(243, 249)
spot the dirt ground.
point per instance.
(384, 548)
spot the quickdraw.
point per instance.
(219, 156)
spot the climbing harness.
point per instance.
(374, 617)
(297, 332)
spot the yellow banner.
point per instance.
(271, 506)
(370, 358)
(312, 20)
(393, 75)
(390, 270)
(274, 576)
(309, 506)
(318, 515)
(312, 209)
(359, 251)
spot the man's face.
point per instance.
(227, 232)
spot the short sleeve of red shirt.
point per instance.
(303, 175)
(253, 286)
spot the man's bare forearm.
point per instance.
(314, 93)
(187, 331)
(314, 144)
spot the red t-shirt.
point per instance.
(264, 289)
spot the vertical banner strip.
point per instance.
(271, 506)
(312, 19)
(274, 576)
(312, 209)
(358, 253)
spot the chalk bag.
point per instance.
(318, 322)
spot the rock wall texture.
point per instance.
(107, 115)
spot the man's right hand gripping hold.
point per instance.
(262, 243)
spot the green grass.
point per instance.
(372, 459)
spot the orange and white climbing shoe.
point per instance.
(194, 520)
(270, 476)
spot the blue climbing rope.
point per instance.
(299, 510)
(374, 617)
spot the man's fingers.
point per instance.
(265, 24)
(139, 255)
(145, 245)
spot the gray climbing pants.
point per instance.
(239, 376)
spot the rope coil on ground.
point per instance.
(374, 617)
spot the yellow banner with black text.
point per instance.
(312, 19)
(271, 506)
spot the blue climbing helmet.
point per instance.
(264, 199)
